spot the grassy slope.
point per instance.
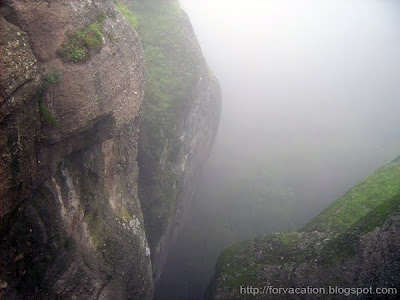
(377, 189)
(362, 209)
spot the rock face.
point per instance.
(178, 124)
(72, 85)
(352, 244)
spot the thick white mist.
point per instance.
(311, 104)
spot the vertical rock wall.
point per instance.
(72, 85)
(178, 123)
(71, 221)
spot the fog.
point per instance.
(311, 105)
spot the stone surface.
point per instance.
(72, 223)
(352, 244)
(375, 264)
(19, 117)
(70, 213)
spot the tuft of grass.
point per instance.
(125, 215)
(127, 14)
(46, 114)
(80, 44)
(344, 244)
(48, 80)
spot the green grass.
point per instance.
(362, 209)
(378, 215)
(171, 66)
(81, 44)
(127, 14)
(125, 215)
(51, 78)
(234, 263)
(47, 115)
(243, 262)
(344, 244)
(48, 80)
(376, 189)
(229, 253)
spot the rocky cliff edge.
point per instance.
(351, 250)
(73, 80)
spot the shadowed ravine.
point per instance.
(123, 177)
(309, 109)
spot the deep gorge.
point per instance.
(122, 178)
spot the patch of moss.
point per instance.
(127, 14)
(171, 68)
(124, 214)
(237, 264)
(81, 44)
(376, 189)
(281, 248)
(46, 114)
(244, 276)
(287, 239)
(375, 200)
(228, 255)
(48, 80)
(378, 216)
(344, 244)
(338, 248)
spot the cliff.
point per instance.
(75, 189)
(352, 244)
(179, 121)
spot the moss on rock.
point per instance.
(81, 44)
(332, 248)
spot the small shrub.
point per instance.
(78, 54)
(81, 43)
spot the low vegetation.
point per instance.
(376, 190)
(171, 67)
(331, 238)
(81, 44)
(171, 64)
(127, 14)
(48, 80)
(46, 114)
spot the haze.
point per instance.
(310, 107)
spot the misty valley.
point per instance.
(165, 149)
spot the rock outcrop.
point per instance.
(179, 120)
(351, 247)
(72, 85)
